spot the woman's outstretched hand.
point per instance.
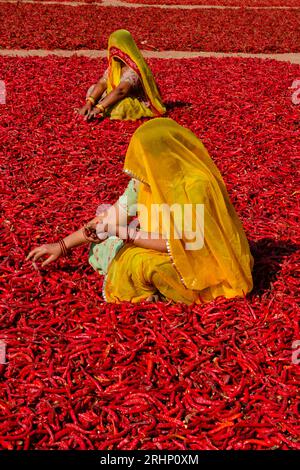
(52, 250)
(85, 110)
(94, 113)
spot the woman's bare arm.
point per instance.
(53, 250)
(142, 239)
(147, 240)
(99, 89)
(116, 95)
(114, 215)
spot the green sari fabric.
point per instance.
(101, 254)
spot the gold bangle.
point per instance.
(101, 107)
(91, 99)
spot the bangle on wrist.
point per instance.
(132, 234)
(63, 248)
(91, 99)
(101, 107)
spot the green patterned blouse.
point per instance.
(101, 254)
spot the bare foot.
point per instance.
(153, 298)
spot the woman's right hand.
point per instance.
(86, 109)
(92, 232)
(51, 249)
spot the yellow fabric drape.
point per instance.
(122, 45)
(176, 168)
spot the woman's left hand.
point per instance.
(95, 113)
(52, 250)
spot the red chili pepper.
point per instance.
(151, 376)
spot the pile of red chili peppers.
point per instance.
(40, 26)
(83, 374)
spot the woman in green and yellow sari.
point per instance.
(196, 257)
(127, 89)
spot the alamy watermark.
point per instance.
(177, 221)
(296, 94)
(296, 352)
(2, 352)
(2, 92)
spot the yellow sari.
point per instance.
(122, 45)
(175, 168)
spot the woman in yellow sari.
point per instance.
(127, 90)
(184, 254)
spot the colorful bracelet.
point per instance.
(63, 248)
(91, 99)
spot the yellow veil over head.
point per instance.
(175, 168)
(122, 45)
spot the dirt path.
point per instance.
(121, 3)
(289, 57)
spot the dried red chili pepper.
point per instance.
(147, 376)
